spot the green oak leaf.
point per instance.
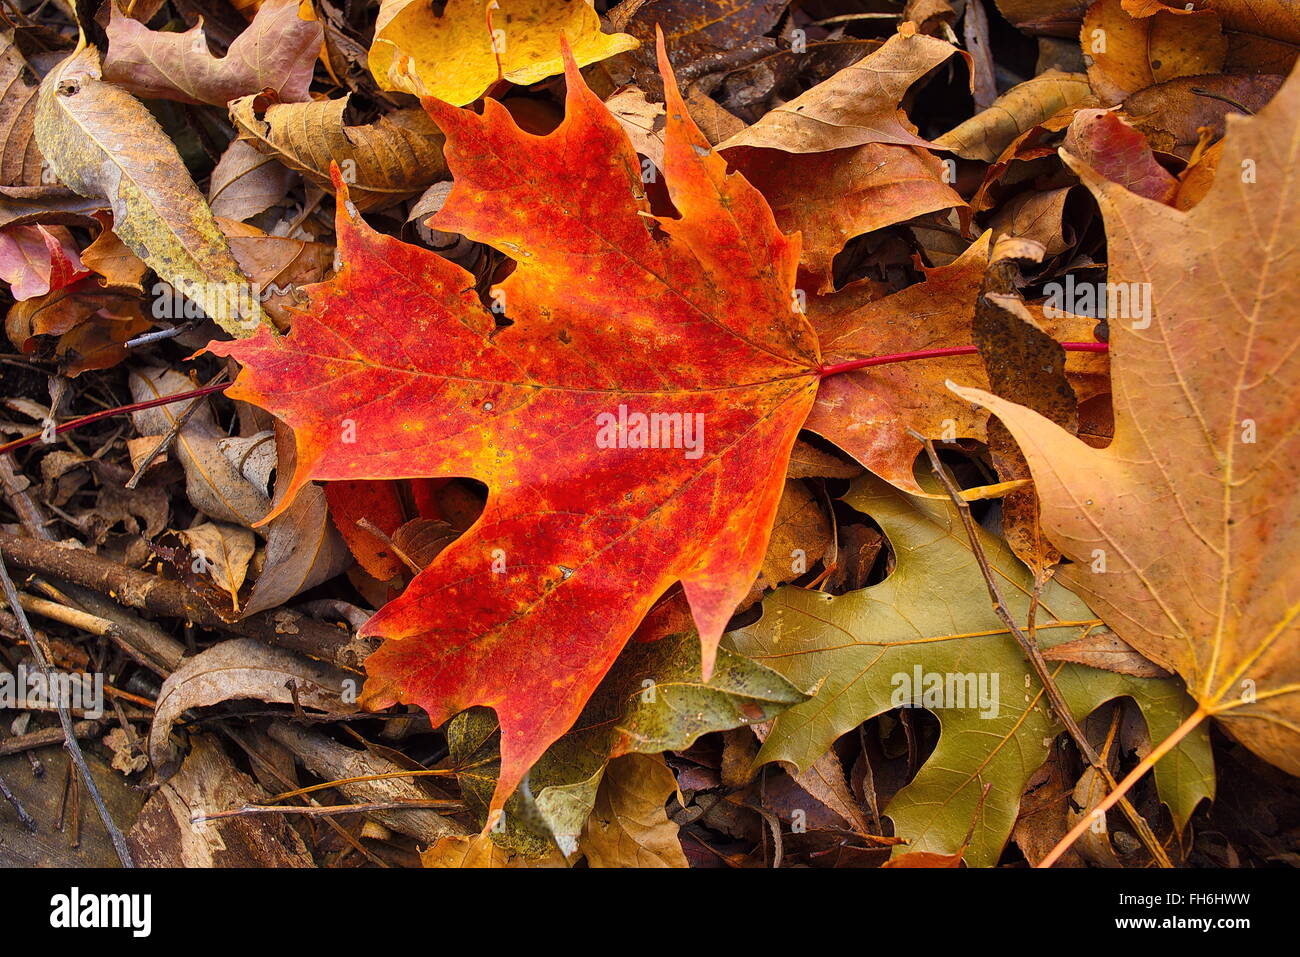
(651, 701)
(934, 612)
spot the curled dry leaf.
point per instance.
(303, 549)
(1129, 54)
(1026, 365)
(246, 182)
(221, 552)
(829, 197)
(1172, 114)
(628, 826)
(383, 163)
(92, 324)
(858, 105)
(104, 143)
(1120, 153)
(21, 163)
(801, 537)
(214, 483)
(35, 260)
(280, 267)
(108, 256)
(241, 668)
(1104, 649)
(1263, 35)
(986, 134)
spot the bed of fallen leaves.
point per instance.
(537, 433)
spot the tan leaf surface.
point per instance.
(628, 826)
(858, 105)
(383, 163)
(1131, 54)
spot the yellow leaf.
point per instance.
(458, 55)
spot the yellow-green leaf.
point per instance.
(102, 142)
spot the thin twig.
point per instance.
(1035, 656)
(328, 810)
(23, 816)
(158, 335)
(65, 720)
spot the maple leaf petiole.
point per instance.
(106, 413)
(854, 364)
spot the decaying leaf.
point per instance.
(241, 668)
(222, 552)
(277, 53)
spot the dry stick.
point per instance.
(144, 641)
(1030, 647)
(72, 617)
(65, 719)
(23, 816)
(107, 413)
(46, 737)
(363, 778)
(273, 771)
(145, 592)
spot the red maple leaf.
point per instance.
(632, 423)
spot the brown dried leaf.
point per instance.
(241, 668)
(858, 105)
(628, 826)
(383, 163)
